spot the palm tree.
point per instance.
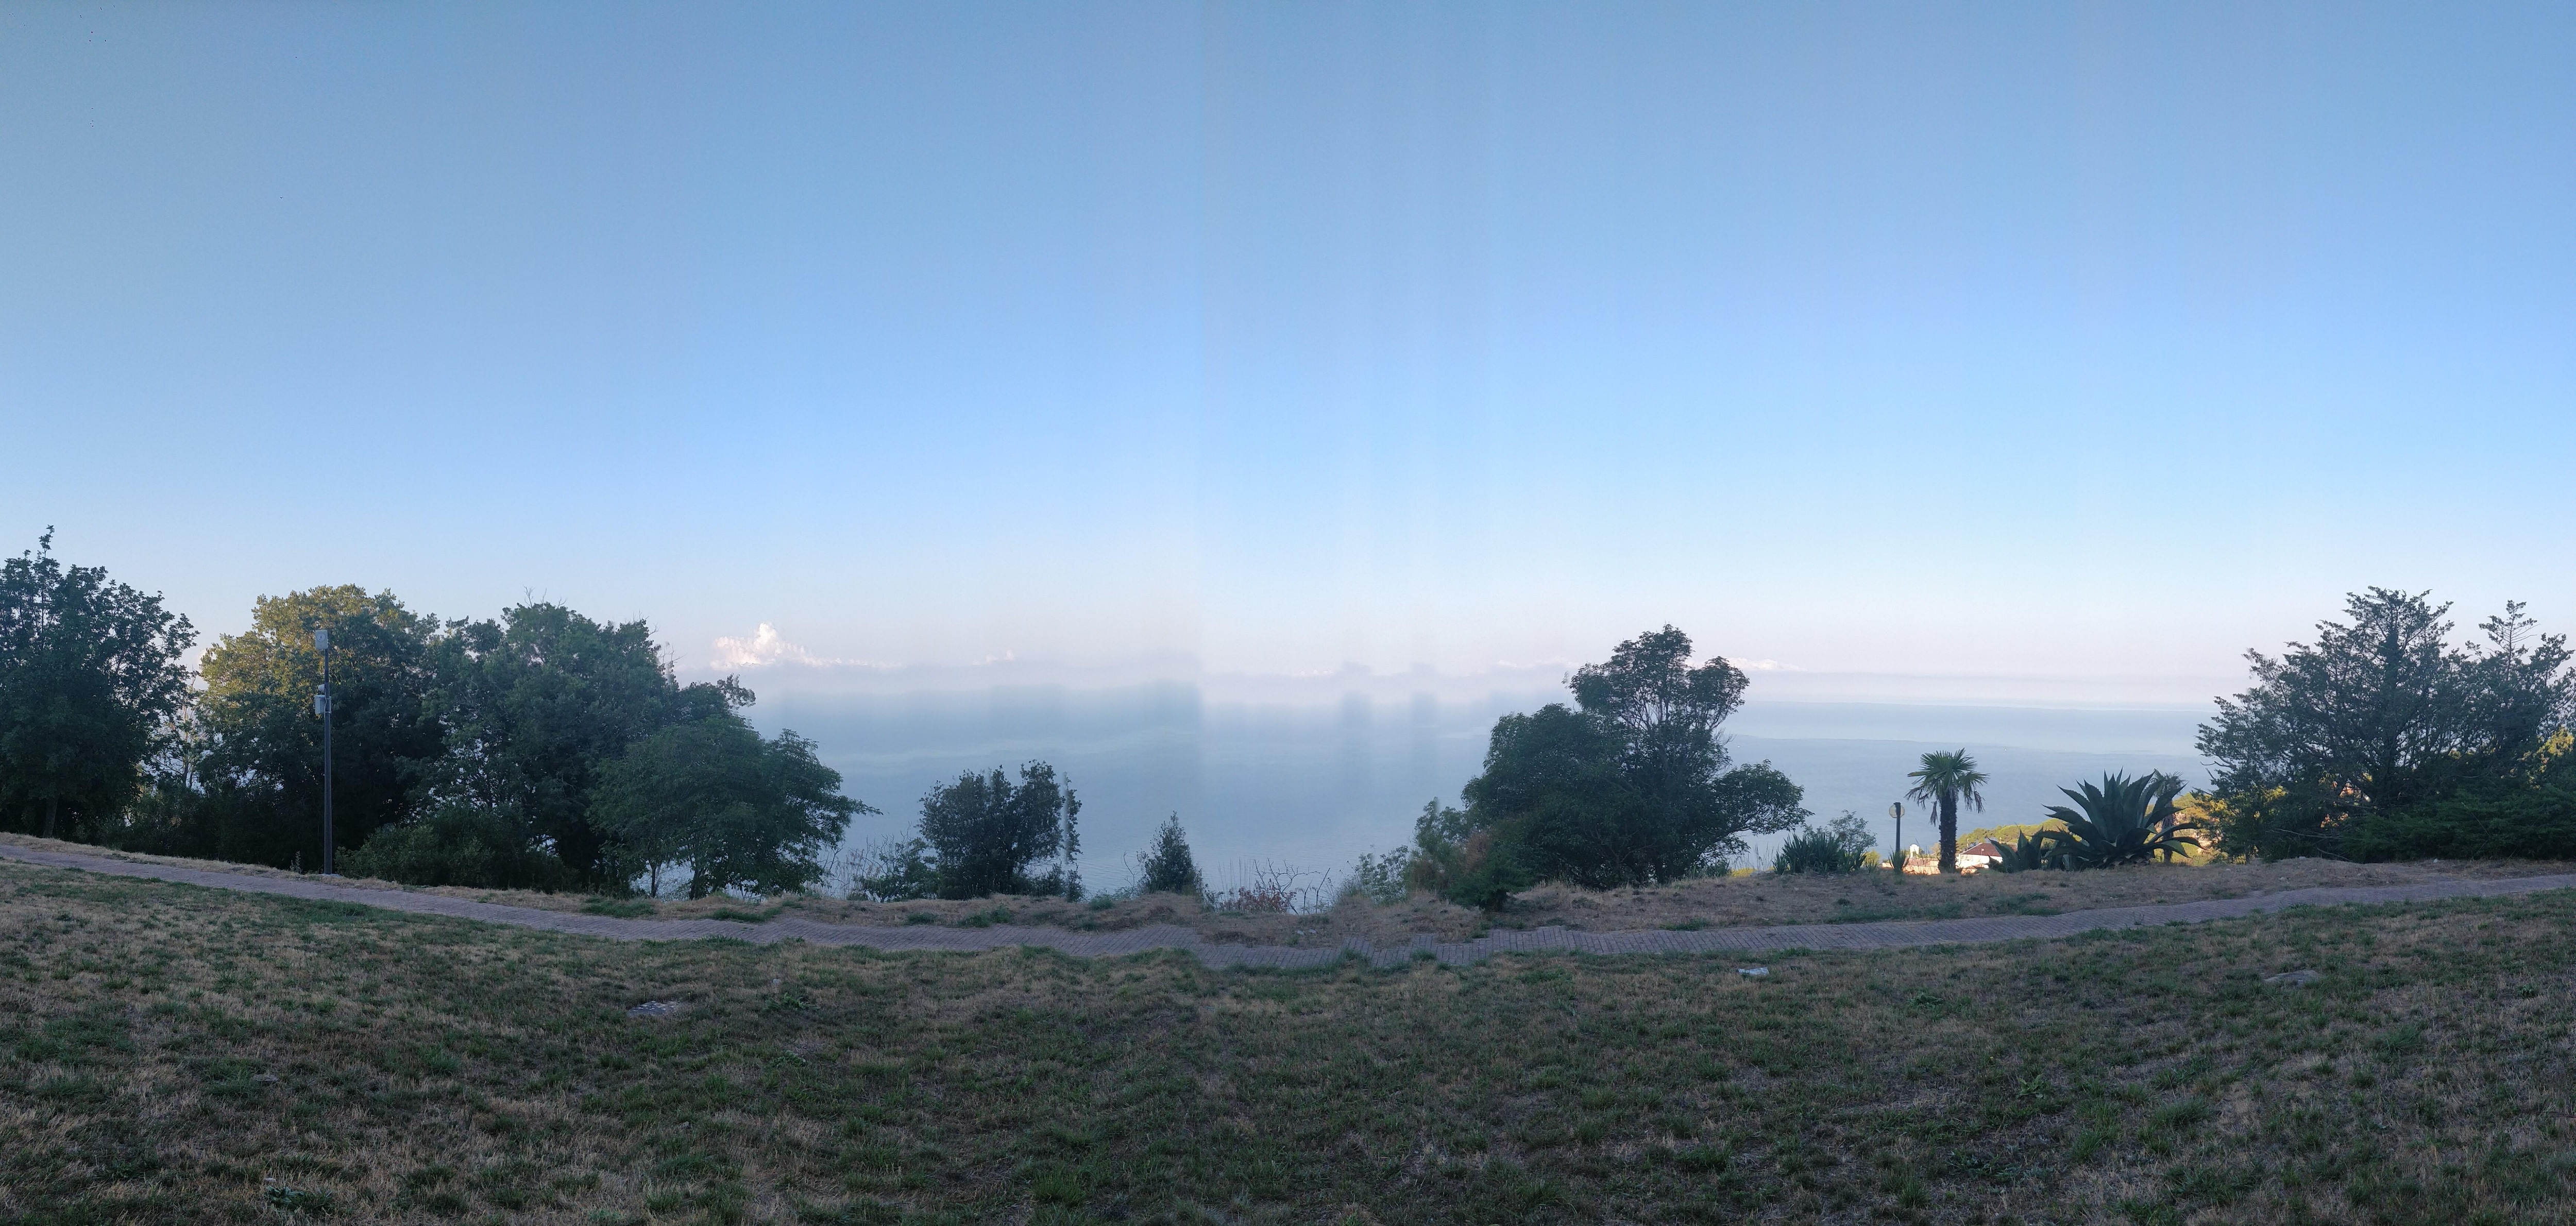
(1945, 780)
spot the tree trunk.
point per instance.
(1949, 834)
(50, 803)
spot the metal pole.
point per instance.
(1897, 811)
(322, 639)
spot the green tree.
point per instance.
(987, 835)
(1947, 780)
(261, 761)
(2380, 720)
(740, 812)
(1634, 787)
(1167, 865)
(90, 683)
(537, 703)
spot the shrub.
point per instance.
(1166, 867)
(1465, 861)
(462, 844)
(893, 870)
(988, 835)
(1842, 846)
(2124, 821)
(1380, 877)
(1271, 889)
(2519, 823)
(2028, 852)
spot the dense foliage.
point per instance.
(1841, 846)
(1630, 787)
(984, 834)
(260, 776)
(474, 753)
(1166, 866)
(91, 685)
(2382, 740)
(739, 812)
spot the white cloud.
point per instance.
(1766, 666)
(765, 649)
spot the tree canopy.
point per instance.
(537, 703)
(262, 754)
(1632, 786)
(2341, 744)
(91, 682)
(742, 813)
(988, 835)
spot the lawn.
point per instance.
(169, 1054)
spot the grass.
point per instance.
(178, 1055)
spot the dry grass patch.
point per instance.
(170, 1054)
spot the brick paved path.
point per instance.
(1169, 936)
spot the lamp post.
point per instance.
(322, 707)
(1896, 850)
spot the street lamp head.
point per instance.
(321, 640)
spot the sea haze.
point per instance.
(1313, 784)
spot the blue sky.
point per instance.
(2075, 346)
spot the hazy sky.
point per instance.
(2043, 342)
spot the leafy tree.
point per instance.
(987, 834)
(1947, 780)
(90, 682)
(2124, 821)
(1841, 847)
(2382, 721)
(536, 704)
(1634, 787)
(261, 760)
(1168, 867)
(742, 813)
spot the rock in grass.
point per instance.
(1753, 972)
(653, 1008)
(2292, 979)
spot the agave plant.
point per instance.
(2030, 851)
(2124, 821)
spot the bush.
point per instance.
(2029, 852)
(1464, 861)
(988, 835)
(1166, 867)
(459, 844)
(893, 871)
(1840, 847)
(1380, 878)
(2521, 824)
(2124, 821)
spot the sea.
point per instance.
(1271, 784)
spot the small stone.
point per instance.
(270, 1078)
(2292, 979)
(653, 1008)
(1753, 972)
